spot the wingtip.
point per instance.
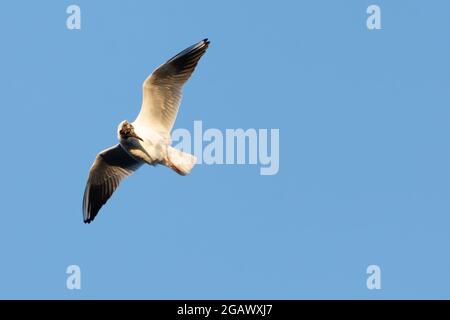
(88, 220)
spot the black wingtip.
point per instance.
(88, 220)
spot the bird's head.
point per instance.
(126, 130)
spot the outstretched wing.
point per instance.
(110, 167)
(162, 90)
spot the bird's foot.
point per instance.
(171, 165)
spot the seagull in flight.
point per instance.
(146, 139)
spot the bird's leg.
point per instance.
(171, 165)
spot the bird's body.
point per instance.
(147, 139)
(151, 148)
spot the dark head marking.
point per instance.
(127, 131)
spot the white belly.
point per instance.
(148, 133)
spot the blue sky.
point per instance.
(364, 151)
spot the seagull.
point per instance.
(146, 140)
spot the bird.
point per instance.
(146, 140)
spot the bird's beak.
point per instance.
(134, 135)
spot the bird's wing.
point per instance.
(109, 168)
(162, 90)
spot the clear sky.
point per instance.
(364, 174)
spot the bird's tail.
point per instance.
(181, 162)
